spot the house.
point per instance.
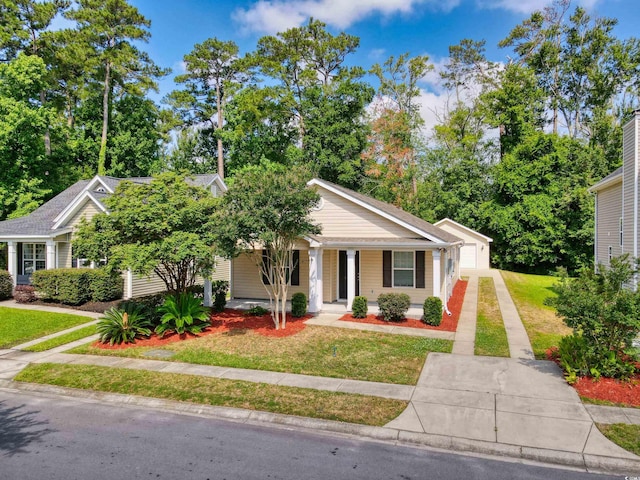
(617, 202)
(42, 239)
(476, 249)
(366, 247)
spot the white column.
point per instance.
(208, 296)
(351, 277)
(12, 261)
(128, 286)
(51, 254)
(319, 283)
(436, 273)
(314, 292)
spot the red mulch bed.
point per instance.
(448, 324)
(226, 321)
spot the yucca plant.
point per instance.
(182, 313)
(123, 325)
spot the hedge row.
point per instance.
(6, 285)
(74, 286)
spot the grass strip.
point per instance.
(491, 336)
(344, 407)
(606, 403)
(63, 339)
(529, 292)
(19, 326)
(318, 351)
(623, 435)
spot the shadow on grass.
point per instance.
(19, 428)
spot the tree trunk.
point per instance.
(102, 157)
(47, 133)
(220, 120)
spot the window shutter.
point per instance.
(419, 268)
(295, 273)
(265, 267)
(386, 268)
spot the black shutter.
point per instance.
(19, 253)
(265, 267)
(386, 268)
(419, 268)
(295, 274)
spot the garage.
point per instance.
(475, 253)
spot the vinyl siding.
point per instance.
(64, 255)
(607, 229)
(339, 217)
(482, 245)
(146, 285)
(246, 283)
(330, 276)
(223, 269)
(629, 185)
(88, 210)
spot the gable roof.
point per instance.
(390, 212)
(611, 179)
(463, 228)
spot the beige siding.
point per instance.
(247, 283)
(88, 210)
(629, 175)
(330, 276)
(64, 254)
(223, 269)
(482, 245)
(607, 229)
(339, 217)
(371, 278)
(147, 285)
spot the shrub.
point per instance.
(393, 306)
(149, 304)
(219, 289)
(123, 325)
(298, 304)
(105, 286)
(24, 294)
(359, 307)
(256, 311)
(182, 313)
(432, 311)
(196, 290)
(6, 285)
(75, 286)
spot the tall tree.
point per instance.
(110, 29)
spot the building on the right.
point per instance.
(617, 202)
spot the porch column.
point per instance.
(208, 300)
(128, 284)
(12, 260)
(315, 290)
(351, 277)
(436, 273)
(51, 254)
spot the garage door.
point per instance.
(468, 256)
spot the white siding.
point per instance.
(147, 285)
(482, 245)
(223, 269)
(64, 254)
(608, 227)
(330, 276)
(629, 186)
(247, 283)
(88, 210)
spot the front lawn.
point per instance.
(626, 436)
(343, 407)
(491, 336)
(544, 327)
(320, 351)
(63, 339)
(19, 326)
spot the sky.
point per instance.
(385, 27)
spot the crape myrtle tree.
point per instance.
(264, 213)
(163, 227)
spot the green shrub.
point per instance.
(393, 306)
(74, 286)
(256, 311)
(123, 325)
(298, 304)
(182, 313)
(359, 307)
(24, 294)
(219, 289)
(105, 286)
(196, 290)
(149, 304)
(6, 285)
(432, 311)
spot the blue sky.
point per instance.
(385, 27)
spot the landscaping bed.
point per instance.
(448, 323)
(608, 391)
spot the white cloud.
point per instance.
(528, 6)
(272, 16)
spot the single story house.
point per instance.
(366, 247)
(617, 202)
(42, 239)
(475, 253)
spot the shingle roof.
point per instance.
(398, 213)
(607, 180)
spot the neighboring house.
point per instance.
(617, 202)
(42, 239)
(366, 247)
(476, 249)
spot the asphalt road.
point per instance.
(54, 438)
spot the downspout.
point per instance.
(446, 286)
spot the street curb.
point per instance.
(585, 462)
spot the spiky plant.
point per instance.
(123, 325)
(182, 313)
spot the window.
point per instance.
(403, 269)
(293, 277)
(621, 231)
(34, 257)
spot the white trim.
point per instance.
(393, 268)
(467, 229)
(436, 254)
(595, 241)
(86, 189)
(351, 277)
(602, 184)
(75, 206)
(375, 210)
(218, 181)
(12, 260)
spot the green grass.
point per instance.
(491, 336)
(607, 403)
(304, 402)
(359, 355)
(63, 339)
(544, 327)
(626, 436)
(19, 326)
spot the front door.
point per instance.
(342, 274)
